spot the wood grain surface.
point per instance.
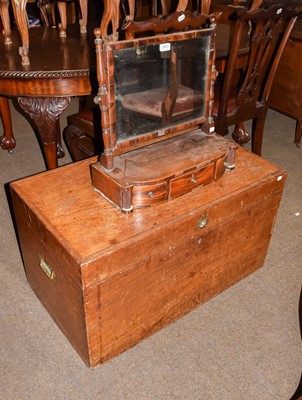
(120, 278)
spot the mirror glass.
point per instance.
(159, 86)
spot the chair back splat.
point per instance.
(244, 92)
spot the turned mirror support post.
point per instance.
(209, 126)
(101, 99)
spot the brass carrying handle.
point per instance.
(47, 269)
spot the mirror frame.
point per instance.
(106, 93)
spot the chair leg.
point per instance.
(43, 12)
(53, 14)
(220, 127)
(83, 20)
(4, 14)
(7, 140)
(72, 136)
(240, 135)
(257, 133)
(62, 6)
(60, 150)
(298, 133)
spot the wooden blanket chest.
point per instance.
(109, 279)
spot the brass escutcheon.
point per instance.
(193, 179)
(203, 221)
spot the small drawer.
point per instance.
(187, 182)
(143, 196)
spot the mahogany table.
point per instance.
(60, 68)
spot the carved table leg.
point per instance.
(4, 14)
(45, 113)
(19, 7)
(7, 140)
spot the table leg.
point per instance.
(45, 113)
(7, 140)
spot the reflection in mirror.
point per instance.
(159, 85)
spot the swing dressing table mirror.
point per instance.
(155, 97)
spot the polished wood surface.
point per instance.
(120, 278)
(58, 67)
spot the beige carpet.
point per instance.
(242, 345)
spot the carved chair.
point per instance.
(7, 140)
(245, 99)
(226, 21)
